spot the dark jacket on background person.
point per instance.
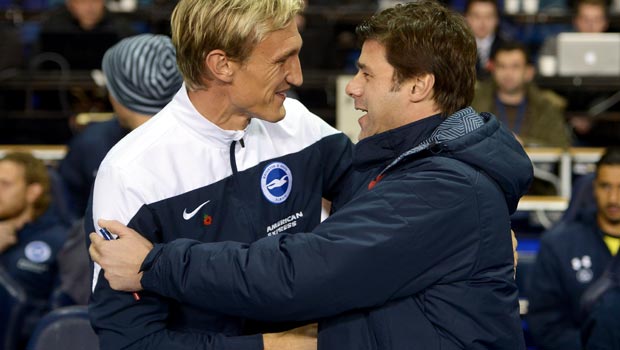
(86, 151)
(32, 262)
(572, 256)
(601, 307)
(543, 124)
(420, 258)
(601, 328)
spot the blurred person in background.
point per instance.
(572, 256)
(31, 234)
(535, 116)
(482, 17)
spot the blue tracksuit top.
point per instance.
(421, 260)
(32, 262)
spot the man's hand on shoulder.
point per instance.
(122, 258)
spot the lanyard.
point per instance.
(501, 114)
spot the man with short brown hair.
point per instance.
(534, 115)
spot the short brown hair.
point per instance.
(424, 37)
(470, 3)
(233, 26)
(35, 171)
(600, 3)
(513, 46)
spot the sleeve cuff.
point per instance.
(148, 281)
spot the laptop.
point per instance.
(589, 54)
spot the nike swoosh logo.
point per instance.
(188, 216)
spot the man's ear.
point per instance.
(33, 192)
(422, 88)
(220, 66)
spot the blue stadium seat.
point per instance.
(12, 311)
(64, 328)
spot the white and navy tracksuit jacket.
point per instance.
(179, 175)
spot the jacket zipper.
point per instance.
(233, 160)
(242, 205)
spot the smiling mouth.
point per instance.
(282, 93)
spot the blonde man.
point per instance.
(230, 158)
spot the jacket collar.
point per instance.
(399, 143)
(185, 112)
(381, 148)
(478, 140)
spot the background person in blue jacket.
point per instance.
(572, 256)
(421, 257)
(31, 233)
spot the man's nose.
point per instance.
(295, 76)
(353, 88)
(614, 195)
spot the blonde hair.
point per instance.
(233, 26)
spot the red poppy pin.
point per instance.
(207, 220)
